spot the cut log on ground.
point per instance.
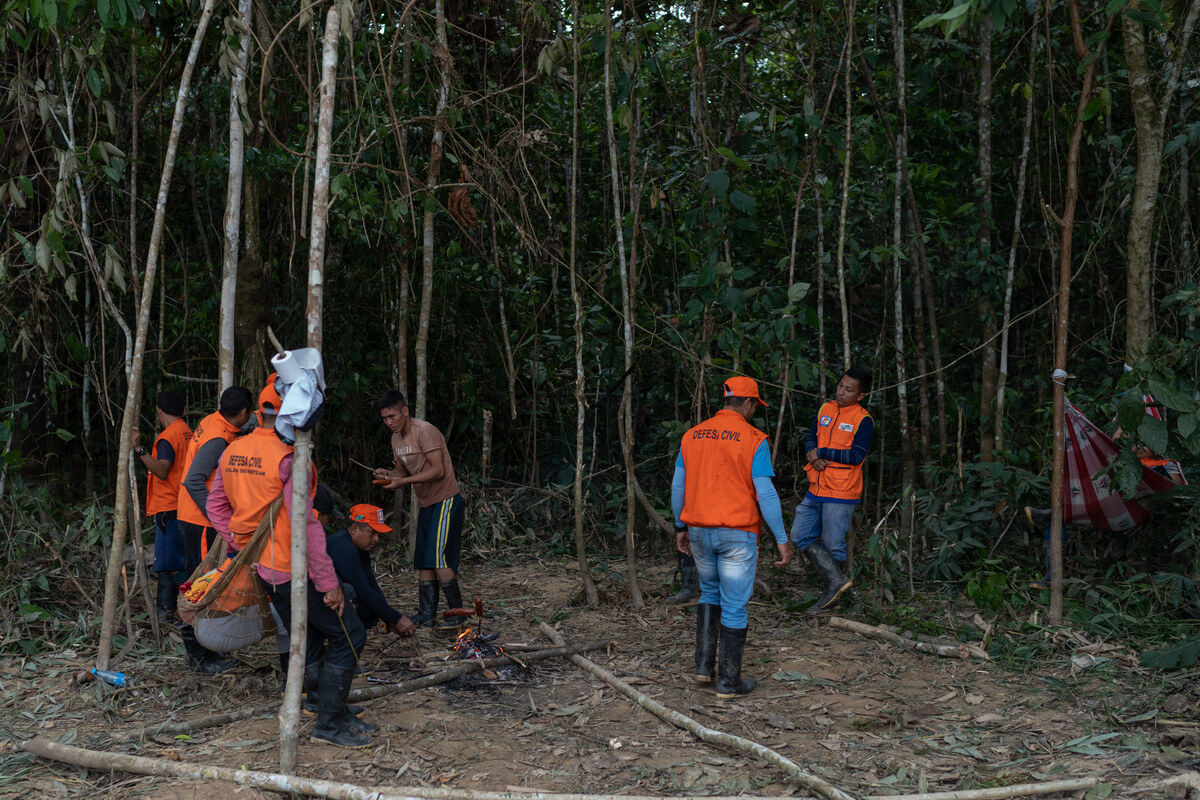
(796, 773)
(370, 693)
(305, 787)
(975, 650)
(956, 650)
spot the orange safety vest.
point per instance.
(250, 473)
(717, 458)
(836, 427)
(214, 426)
(163, 495)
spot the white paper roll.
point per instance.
(287, 366)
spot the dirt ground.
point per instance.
(868, 716)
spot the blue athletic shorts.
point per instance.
(439, 535)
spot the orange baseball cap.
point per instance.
(269, 396)
(369, 515)
(741, 386)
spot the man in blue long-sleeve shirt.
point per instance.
(721, 494)
(834, 449)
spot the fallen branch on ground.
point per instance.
(797, 774)
(975, 650)
(956, 650)
(370, 693)
(1001, 792)
(270, 781)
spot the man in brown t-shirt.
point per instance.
(423, 462)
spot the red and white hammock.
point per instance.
(1093, 501)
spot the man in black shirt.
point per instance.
(350, 550)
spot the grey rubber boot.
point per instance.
(836, 584)
(708, 625)
(730, 682)
(689, 581)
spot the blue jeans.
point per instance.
(726, 559)
(168, 544)
(827, 523)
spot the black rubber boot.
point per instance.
(352, 722)
(689, 581)
(167, 599)
(453, 600)
(331, 710)
(730, 682)
(708, 626)
(1043, 583)
(200, 658)
(428, 597)
(312, 680)
(836, 584)
(284, 658)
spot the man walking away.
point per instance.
(721, 493)
(835, 449)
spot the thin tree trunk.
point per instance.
(849, 145)
(590, 595)
(987, 381)
(907, 456)
(233, 197)
(1150, 119)
(445, 63)
(289, 714)
(626, 413)
(1022, 162)
(132, 400)
(1067, 228)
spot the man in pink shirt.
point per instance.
(254, 472)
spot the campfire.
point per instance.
(473, 643)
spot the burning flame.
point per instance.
(470, 644)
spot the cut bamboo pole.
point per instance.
(795, 772)
(1001, 792)
(945, 650)
(371, 693)
(335, 790)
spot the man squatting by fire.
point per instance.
(721, 493)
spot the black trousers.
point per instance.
(192, 535)
(339, 639)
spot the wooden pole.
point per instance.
(289, 714)
(1067, 226)
(112, 579)
(140, 765)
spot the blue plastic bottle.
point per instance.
(110, 676)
